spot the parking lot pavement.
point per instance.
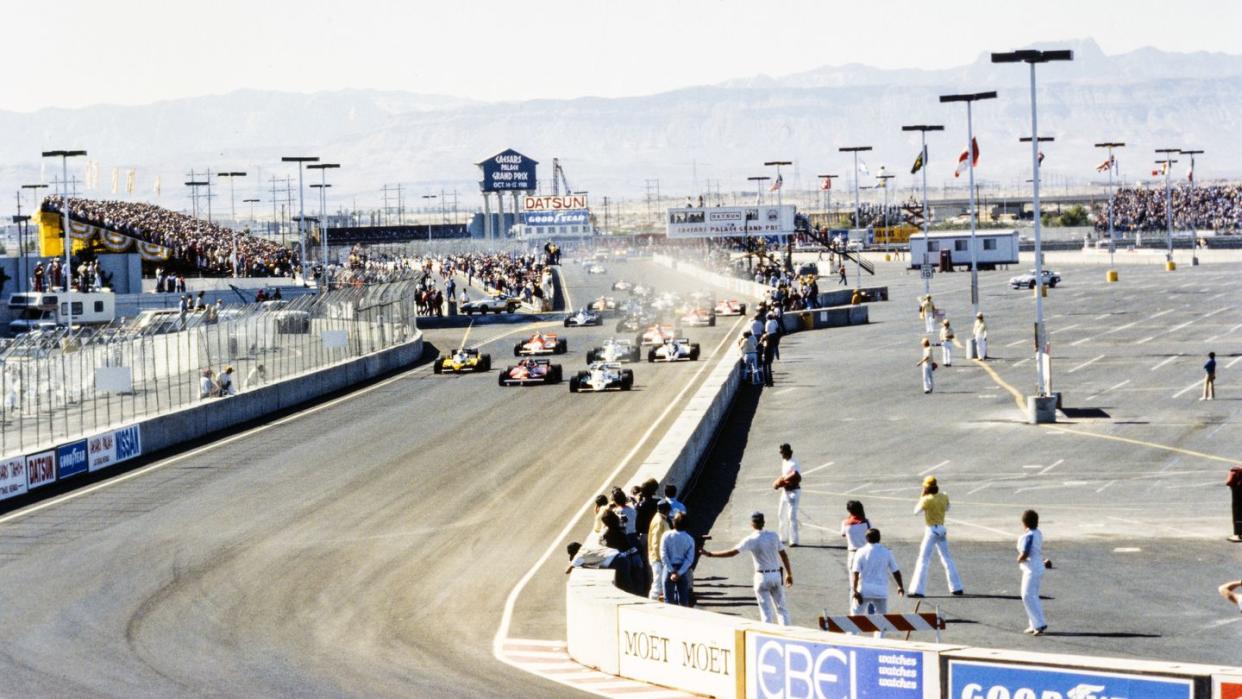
(1128, 482)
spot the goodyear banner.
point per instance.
(51, 243)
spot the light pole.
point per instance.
(233, 210)
(857, 221)
(427, 203)
(1168, 201)
(1194, 242)
(970, 100)
(923, 129)
(323, 218)
(1032, 57)
(1112, 243)
(301, 160)
(64, 156)
(251, 202)
(827, 187)
(780, 187)
(34, 197)
(759, 180)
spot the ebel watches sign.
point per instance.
(508, 171)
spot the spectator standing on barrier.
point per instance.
(770, 343)
(756, 324)
(869, 577)
(789, 483)
(656, 529)
(927, 366)
(946, 342)
(1209, 378)
(627, 514)
(225, 382)
(645, 506)
(933, 504)
(769, 557)
(670, 494)
(677, 554)
(629, 568)
(981, 336)
(750, 354)
(1030, 561)
(772, 328)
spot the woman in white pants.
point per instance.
(1031, 561)
(946, 342)
(981, 336)
(927, 366)
(934, 505)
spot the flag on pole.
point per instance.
(883, 180)
(920, 161)
(826, 184)
(1105, 166)
(157, 185)
(130, 178)
(1041, 158)
(961, 159)
(862, 167)
(776, 185)
(1190, 173)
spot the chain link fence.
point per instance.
(59, 385)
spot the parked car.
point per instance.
(1027, 281)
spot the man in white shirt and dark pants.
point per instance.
(769, 556)
(790, 486)
(869, 577)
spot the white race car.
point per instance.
(622, 285)
(596, 269)
(583, 317)
(730, 307)
(678, 350)
(602, 376)
(614, 350)
(604, 303)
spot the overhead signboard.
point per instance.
(806, 668)
(508, 171)
(731, 221)
(553, 202)
(556, 218)
(975, 680)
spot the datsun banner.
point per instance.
(779, 667)
(12, 477)
(41, 469)
(974, 680)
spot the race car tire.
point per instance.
(742, 309)
(486, 363)
(711, 322)
(555, 376)
(517, 350)
(562, 346)
(500, 378)
(627, 380)
(1052, 283)
(438, 367)
(573, 384)
(694, 352)
(651, 355)
(567, 322)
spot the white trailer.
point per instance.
(992, 248)
(47, 310)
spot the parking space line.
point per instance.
(1096, 395)
(1051, 466)
(1121, 327)
(1020, 362)
(1145, 340)
(1166, 361)
(1071, 326)
(1235, 361)
(1087, 363)
(1103, 487)
(933, 468)
(1209, 314)
(1161, 313)
(955, 520)
(858, 488)
(1190, 387)
(1139, 442)
(818, 468)
(1015, 343)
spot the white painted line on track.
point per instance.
(1194, 385)
(1020, 362)
(933, 468)
(859, 487)
(1071, 326)
(981, 487)
(1086, 364)
(783, 391)
(1110, 388)
(1209, 314)
(1162, 313)
(1166, 361)
(1234, 361)
(1119, 328)
(1015, 343)
(1145, 340)
(955, 520)
(506, 618)
(1105, 486)
(1075, 343)
(1102, 316)
(1053, 465)
(818, 468)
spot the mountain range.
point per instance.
(688, 139)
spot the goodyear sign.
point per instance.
(974, 680)
(508, 171)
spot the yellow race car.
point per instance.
(462, 360)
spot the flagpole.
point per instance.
(970, 164)
(1194, 242)
(1167, 164)
(923, 129)
(1112, 232)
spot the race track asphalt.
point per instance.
(365, 546)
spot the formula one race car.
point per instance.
(656, 335)
(698, 317)
(604, 303)
(540, 343)
(730, 307)
(596, 269)
(583, 317)
(622, 285)
(642, 291)
(601, 376)
(666, 302)
(614, 350)
(634, 321)
(530, 371)
(462, 360)
(678, 350)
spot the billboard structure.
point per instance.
(731, 221)
(555, 215)
(507, 172)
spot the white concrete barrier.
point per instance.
(738, 286)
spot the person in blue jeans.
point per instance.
(1209, 378)
(677, 552)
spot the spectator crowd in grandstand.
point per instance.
(203, 247)
(1214, 207)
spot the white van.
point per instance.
(47, 311)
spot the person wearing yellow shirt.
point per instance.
(933, 504)
(655, 532)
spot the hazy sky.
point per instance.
(133, 51)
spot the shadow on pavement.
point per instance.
(717, 476)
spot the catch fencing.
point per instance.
(58, 385)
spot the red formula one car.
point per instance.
(730, 307)
(540, 343)
(656, 335)
(697, 317)
(530, 371)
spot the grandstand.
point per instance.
(183, 243)
(1215, 207)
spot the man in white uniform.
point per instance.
(1031, 561)
(790, 486)
(869, 577)
(769, 556)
